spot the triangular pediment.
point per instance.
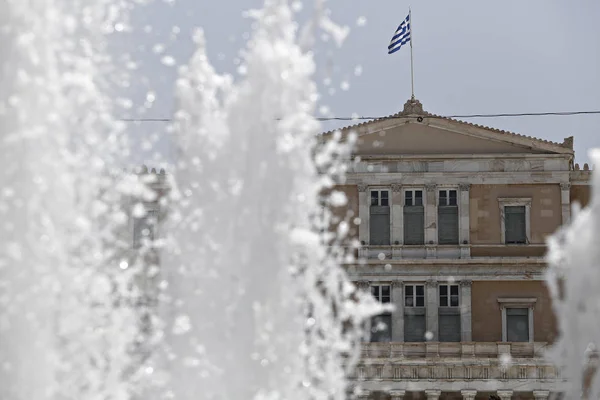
(419, 138)
(414, 132)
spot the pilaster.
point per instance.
(433, 394)
(565, 202)
(468, 394)
(397, 394)
(430, 218)
(398, 313)
(363, 214)
(432, 309)
(465, 310)
(397, 216)
(541, 394)
(505, 394)
(463, 220)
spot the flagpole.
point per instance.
(412, 75)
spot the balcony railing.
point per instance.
(455, 350)
(451, 362)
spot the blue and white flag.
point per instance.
(401, 37)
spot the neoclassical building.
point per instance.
(452, 220)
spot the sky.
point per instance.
(470, 57)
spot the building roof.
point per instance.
(413, 110)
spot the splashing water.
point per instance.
(573, 279)
(258, 307)
(65, 326)
(254, 305)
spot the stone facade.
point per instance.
(488, 283)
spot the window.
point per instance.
(379, 218)
(414, 217)
(514, 225)
(517, 325)
(448, 295)
(514, 219)
(414, 313)
(517, 319)
(414, 296)
(381, 325)
(448, 197)
(382, 293)
(447, 217)
(380, 198)
(144, 228)
(449, 327)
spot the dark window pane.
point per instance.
(517, 324)
(443, 199)
(385, 290)
(408, 199)
(375, 291)
(454, 290)
(408, 290)
(374, 198)
(454, 301)
(443, 290)
(420, 290)
(418, 197)
(514, 223)
(420, 301)
(443, 301)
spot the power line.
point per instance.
(464, 116)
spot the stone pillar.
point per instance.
(464, 225)
(397, 220)
(433, 394)
(468, 394)
(363, 215)
(541, 394)
(565, 202)
(465, 311)
(505, 394)
(397, 394)
(398, 314)
(431, 232)
(431, 309)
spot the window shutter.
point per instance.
(517, 324)
(448, 225)
(379, 225)
(414, 325)
(514, 223)
(449, 325)
(414, 225)
(381, 328)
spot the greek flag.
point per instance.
(401, 37)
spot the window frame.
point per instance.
(447, 190)
(414, 295)
(413, 191)
(380, 286)
(518, 202)
(379, 197)
(527, 303)
(449, 295)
